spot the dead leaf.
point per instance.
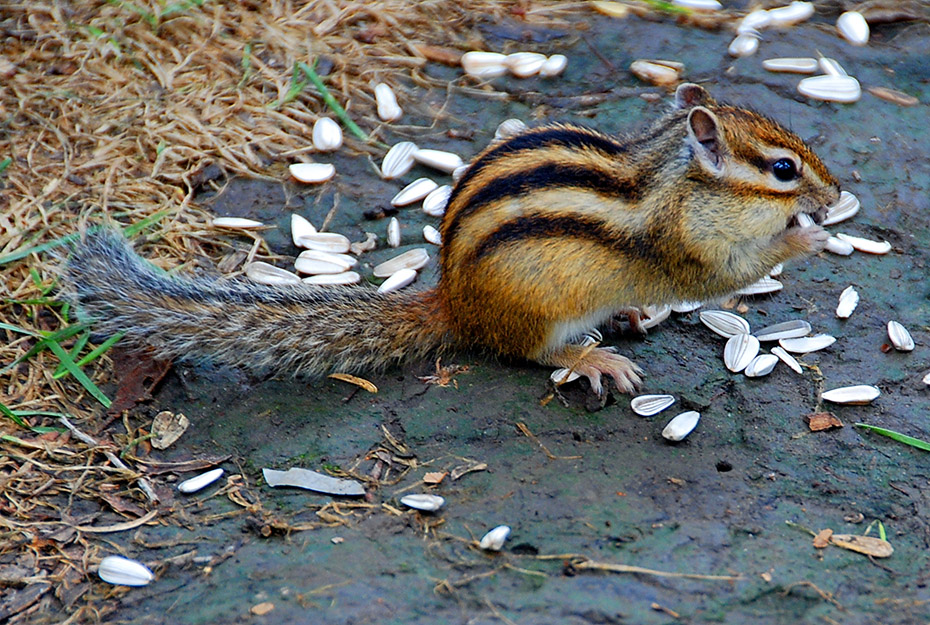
(261, 609)
(139, 374)
(434, 477)
(869, 545)
(820, 421)
(357, 381)
(168, 428)
(822, 539)
(461, 470)
(439, 54)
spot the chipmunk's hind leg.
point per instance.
(594, 363)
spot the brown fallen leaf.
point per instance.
(439, 54)
(435, 477)
(464, 469)
(868, 545)
(822, 539)
(139, 374)
(168, 427)
(820, 421)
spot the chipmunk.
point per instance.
(548, 234)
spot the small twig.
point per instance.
(582, 562)
(143, 483)
(826, 596)
(526, 432)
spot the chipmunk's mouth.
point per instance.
(804, 218)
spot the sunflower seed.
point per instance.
(807, 344)
(743, 45)
(434, 204)
(648, 405)
(388, 109)
(236, 223)
(524, 64)
(200, 482)
(861, 394)
(752, 22)
(264, 273)
(894, 96)
(393, 232)
(788, 359)
(739, 351)
(438, 159)
(398, 280)
(484, 65)
(346, 277)
(726, 324)
(831, 88)
(656, 72)
(563, 376)
(327, 135)
(553, 66)
(399, 160)
(853, 28)
(124, 572)
(794, 65)
(805, 220)
(761, 365)
(681, 426)
(312, 173)
(411, 259)
(831, 67)
(324, 242)
(494, 540)
(315, 262)
(846, 207)
(300, 227)
(776, 270)
(849, 299)
(458, 172)
(761, 286)
(791, 14)
(654, 315)
(414, 192)
(428, 503)
(509, 128)
(838, 246)
(432, 235)
(686, 307)
(784, 330)
(926, 379)
(900, 337)
(610, 8)
(699, 5)
(865, 245)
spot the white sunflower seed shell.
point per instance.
(508, 128)
(398, 280)
(326, 135)
(564, 376)
(844, 89)
(648, 405)
(346, 277)
(682, 425)
(788, 359)
(784, 330)
(427, 503)
(300, 227)
(791, 14)
(432, 235)
(926, 379)
(739, 351)
(393, 232)
(411, 259)
(831, 67)
(846, 207)
(849, 299)
(312, 173)
(865, 245)
(743, 45)
(807, 344)
(524, 64)
(398, 160)
(655, 72)
(236, 223)
(414, 192)
(724, 323)
(315, 262)
(761, 365)
(200, 482)
(860, 394)
(794, 65)
(776, 270)
(439, 159)
(553, 66)
(484, 64)
(434, 204)
(122, 571)
(388, 109)
(654, 316)
(838, 246)
(752, 22)
(686, 307)
(900, 337)
(324, 242)
(699, 5)
(494, 540)
(761, 286)
(265, 273)
(853, 28)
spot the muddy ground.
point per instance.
(613, 490)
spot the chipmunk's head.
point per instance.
(771, 174)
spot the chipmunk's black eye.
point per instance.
(784, 169)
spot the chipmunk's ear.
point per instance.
(706, 139)
(689, 94)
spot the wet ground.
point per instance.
(612, 489)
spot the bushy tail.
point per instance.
(300, 329)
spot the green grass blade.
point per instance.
(5, 163)
(94, 354)
(134, 229)
(331, 101)
(79, 375)
(17, 419)
(75, 352)
(901, 438)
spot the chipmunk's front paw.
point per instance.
(596, 363)
(807, 240)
